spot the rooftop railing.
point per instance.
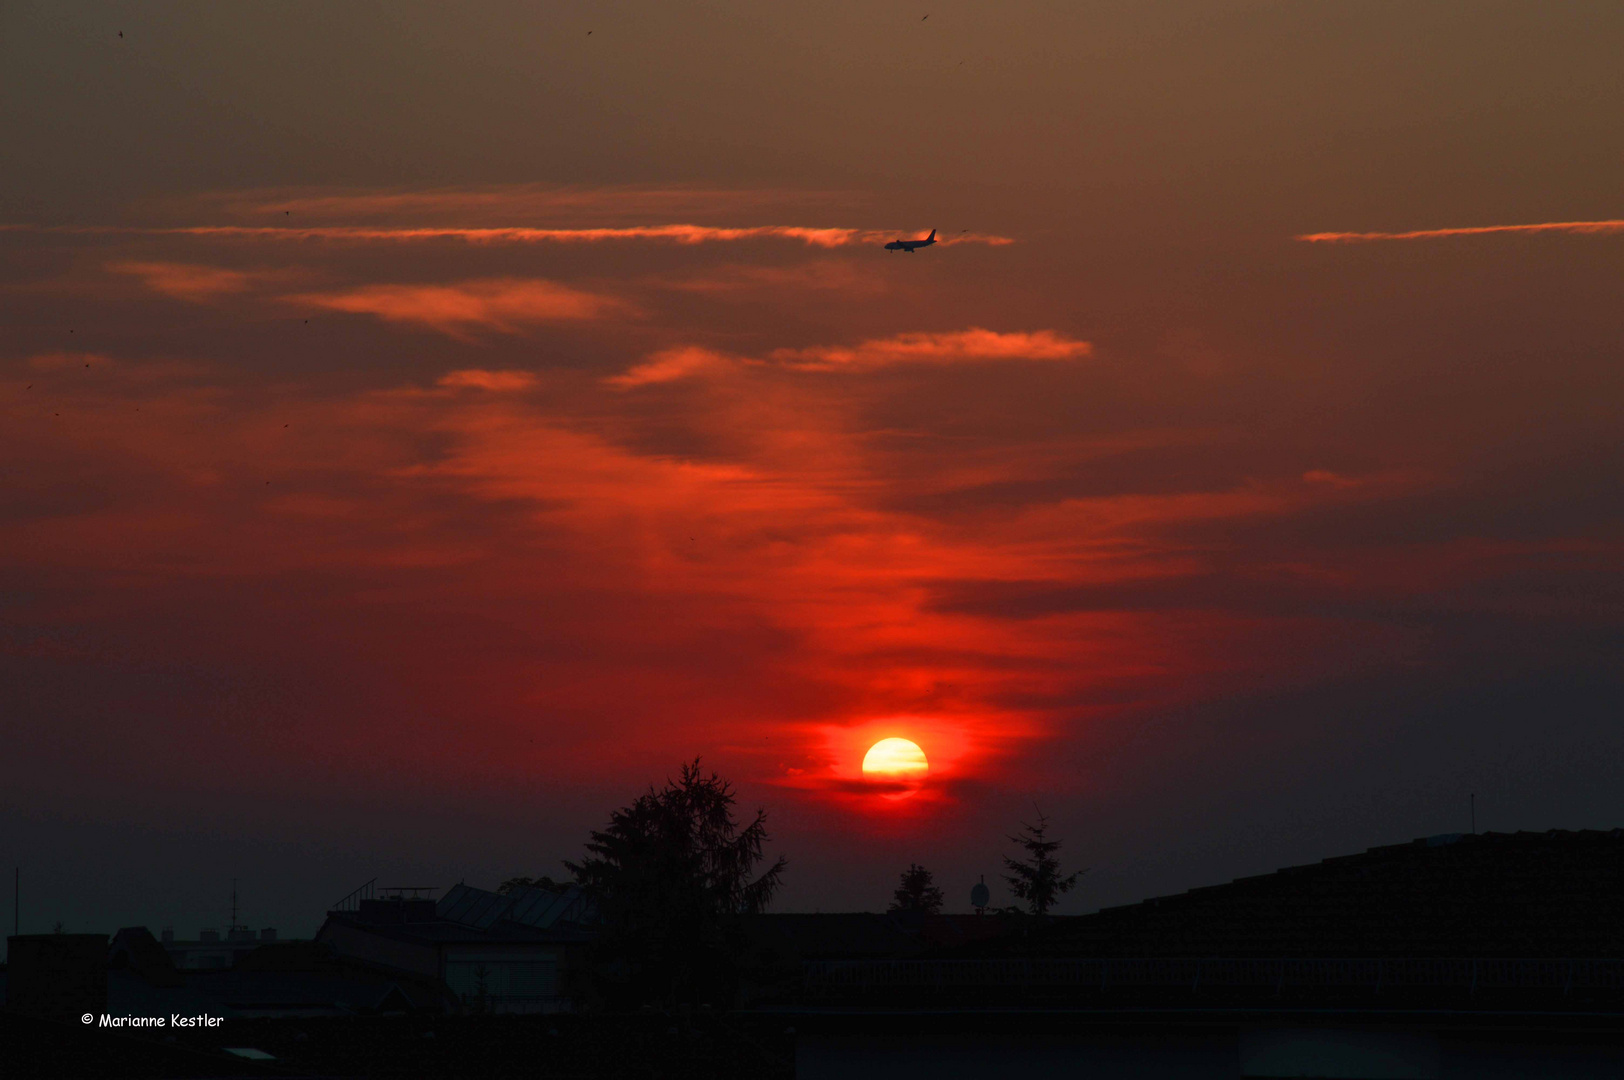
(352, 901)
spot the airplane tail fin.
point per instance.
(932, 235)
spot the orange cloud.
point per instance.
(473, 378)
(187, 281)
(501, 304)
(1583, 227)
(672, 364)
(957, 347)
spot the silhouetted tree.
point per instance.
(671, 876)
(1038, 880)
(917, 892)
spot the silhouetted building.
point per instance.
(134, 949)
(212, 951)
(494, 952)
(56, 975)
(274, 980)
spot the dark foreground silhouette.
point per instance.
(401, 1046)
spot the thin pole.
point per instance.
(1474, 813)
(16, 902)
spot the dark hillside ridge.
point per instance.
(1550, 894)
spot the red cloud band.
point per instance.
(1590, 227)
(503, 304)
(680, 233)
(954, 347)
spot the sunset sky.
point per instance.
(423, 426)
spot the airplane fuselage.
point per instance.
(910, 245)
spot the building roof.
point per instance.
(1525, 894)
(440, 932)
(526, 906)
(466, 915)
(135, 948)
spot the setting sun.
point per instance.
(895, 759)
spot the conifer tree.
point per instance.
(1037, 880)
(917, 892)
(670, 877)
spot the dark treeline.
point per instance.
(675, 873)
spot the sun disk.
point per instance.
(895, 759)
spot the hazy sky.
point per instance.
(422, 426)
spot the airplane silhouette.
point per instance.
(909, 245)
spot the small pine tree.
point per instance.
(917, 892)
(1038, 880)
